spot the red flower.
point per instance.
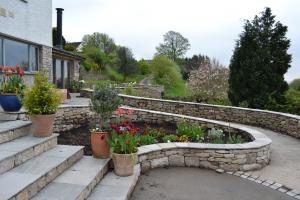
(126, 142)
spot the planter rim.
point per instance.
(99, 132)
(8, 94)
(40, 115)
(124, 153)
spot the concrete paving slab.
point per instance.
(27, 177)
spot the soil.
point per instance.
(81, 136)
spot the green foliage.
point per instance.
(42, 98)
(69, 47)
(75, 86)
(114, 75)
(215, 136)
(146, 140)
(95, 58)
(193, 63)
(129, 90)
(167, 73)
(295, 84)
(126, 63)
(259, 63)
(169, 138)
(235, 139)
(291, 104)
(155, 133)
(174, 46)
(54, 37)
(13, 84)
(144, 67)
(123, 143)
(100, 41)
(193, 131)
(104, 102)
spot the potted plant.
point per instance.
(11, 88)
(124, 148)
(42, 101)
(104, 102)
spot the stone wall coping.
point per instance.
(210, 105)
(259, 139)
(13, 125)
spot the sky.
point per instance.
(211, 26)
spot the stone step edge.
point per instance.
(96, 194)
(10, 133)
(87, 190)
(41, 182)
(26, 154)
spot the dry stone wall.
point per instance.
(280, 122)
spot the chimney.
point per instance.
(59, 28)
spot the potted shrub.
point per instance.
(41, 102)
(124, 148)
(104, 102)
(11, 88)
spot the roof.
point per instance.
(75, 44)
(57, 52)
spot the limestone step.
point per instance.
(11, 130)
(16, 152)
(113, 187)
(24, 181)
(77, 182)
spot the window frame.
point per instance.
(31, 68)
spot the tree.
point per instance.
(126, 63)
(209, 83)
(101, 41)
(259, 62)
(94, 58)
(54, 37)
(192, 63)
(295, 84)
(174, 46)
(167, 73)
(144, 66)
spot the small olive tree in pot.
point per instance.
(41, 102)
(104, 102)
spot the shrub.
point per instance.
(146, 140)
(235, 139)
(169, 138)
(42, 98)
(193, 131)
(144, 67)
(156, 133)
(104, 102)
(125, 143)
(215, 136)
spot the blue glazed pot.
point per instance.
(10, 102)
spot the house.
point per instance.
(26, 39)
(77, 46)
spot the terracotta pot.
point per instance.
(124, 163)
(100, 147)
(42, 125)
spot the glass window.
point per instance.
(16, 53)
(34, 58)
(58, 73)
(1, 53)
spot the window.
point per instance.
(25, 55)
(1, 53)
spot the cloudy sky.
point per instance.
(212, 26)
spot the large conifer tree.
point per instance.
(259, 62)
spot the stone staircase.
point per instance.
(40, 169)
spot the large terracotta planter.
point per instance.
(124, 163)
(42, 125)
(100, 147)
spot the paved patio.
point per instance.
(195, 184)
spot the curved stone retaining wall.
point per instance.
(279, 122)
(229, 157)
